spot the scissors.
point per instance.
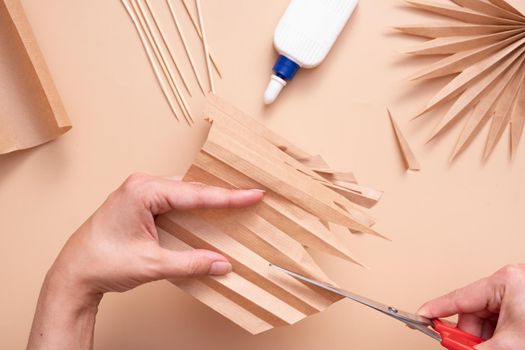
(446, 333)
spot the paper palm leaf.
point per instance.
(302, 196)
(483, 50)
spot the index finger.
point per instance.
(182, 195)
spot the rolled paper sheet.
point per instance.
(31, 111)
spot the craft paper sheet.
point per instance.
(31, 112)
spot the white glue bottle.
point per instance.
(304, 36)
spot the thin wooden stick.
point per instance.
(161, 58)
(184, 43)
(167, 69)
(150, 55)
(199, 33)
(165, 42)
(205, 46)
(407, 153)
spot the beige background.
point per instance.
(450, 224)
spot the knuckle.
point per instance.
(511, 273)
(200, 195)
(135, 179)
(134, 184)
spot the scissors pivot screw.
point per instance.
(392, 309)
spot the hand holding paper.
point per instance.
(117, 249)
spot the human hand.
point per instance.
(118, 249)
(492, 308)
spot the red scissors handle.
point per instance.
(454, 338)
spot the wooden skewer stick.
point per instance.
(408, 154)
(205, 46)
(199, 33)
(162, 60)
(150, 55)
(184, 43)
(165, 42)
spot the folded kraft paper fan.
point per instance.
(481, 45)
(304, 200)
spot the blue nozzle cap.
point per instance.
(285, 68)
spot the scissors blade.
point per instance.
(407, 318)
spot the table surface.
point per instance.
(450, 224)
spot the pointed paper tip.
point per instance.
(420, 113)
(389, 113)
(439, 129)
(487, 152)
(366, 267)
(398, 29)
(414, 77)
(513, 149)
(454, 155)
(377, 234)
(458, 149)
(431, 138)
(489, 148)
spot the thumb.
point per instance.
(192, 263)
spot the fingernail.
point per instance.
(220, 268)
(258, 190)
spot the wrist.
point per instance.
(60, 286)
(65, 315)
